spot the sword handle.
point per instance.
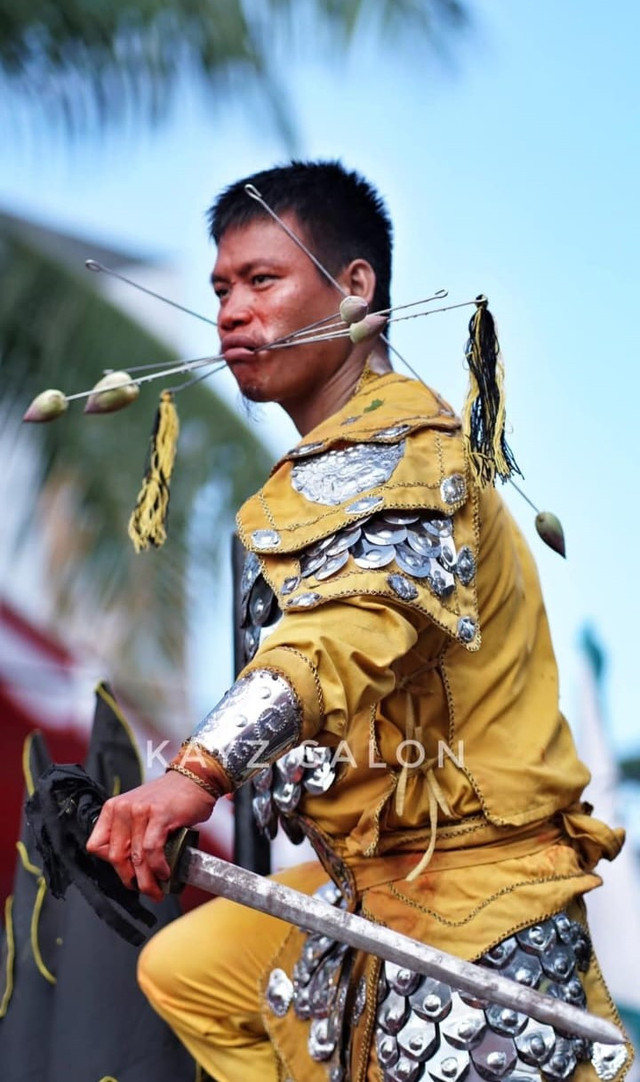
(174, 851)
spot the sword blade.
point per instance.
(312, 914)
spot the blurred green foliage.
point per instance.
(85, 58)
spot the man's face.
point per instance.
(268, 287)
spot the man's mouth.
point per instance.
(237, 348)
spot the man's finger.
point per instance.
(146, 880)
(98, 842)
(155, 839)
(120, 840)
(138, 827)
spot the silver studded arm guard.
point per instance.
(258, 720)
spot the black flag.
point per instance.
(70, 1007)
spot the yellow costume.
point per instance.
(416, 647)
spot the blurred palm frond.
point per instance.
(55, 330)
(108, 59)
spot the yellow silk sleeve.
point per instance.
(339, 657)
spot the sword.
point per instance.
(216, 876)
(64, 807)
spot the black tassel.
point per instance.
(484, 412)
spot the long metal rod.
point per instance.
(218, 877)
(99, 268)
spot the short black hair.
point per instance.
(343, 216)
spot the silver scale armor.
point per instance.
(428, 1032)
(320, 992)
(420, 543)
(306, 768)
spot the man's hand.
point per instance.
(133, 828)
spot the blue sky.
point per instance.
(511, 171)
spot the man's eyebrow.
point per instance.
(266, 261)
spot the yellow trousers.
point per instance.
(201, 974)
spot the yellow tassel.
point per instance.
(437, 800)
(147, 525)
(484, 413)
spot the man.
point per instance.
(439, 783)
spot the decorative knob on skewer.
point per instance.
(550, 530)
(114, 391)
(366, 328)
(46, 406)
(353, 309)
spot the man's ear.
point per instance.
(359, 279)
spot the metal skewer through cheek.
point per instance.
(300, 338)
(52, 402)
(338, 322)
(334, 325)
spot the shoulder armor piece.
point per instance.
(389, 513)
(306, 499)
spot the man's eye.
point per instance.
(220, 292)
(261, 279)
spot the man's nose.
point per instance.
(235, 312)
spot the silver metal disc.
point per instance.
(333, 564)
(412, 562)
(370, 556)
(383, 533)
(344, 540)
(423, 543)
